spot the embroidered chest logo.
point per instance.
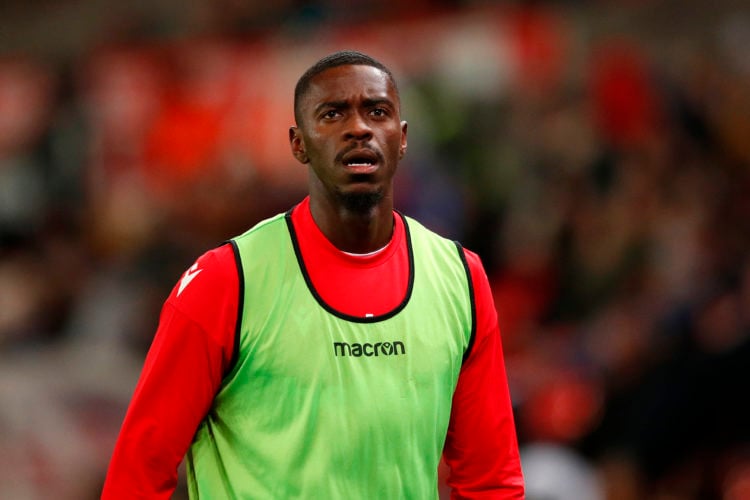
(343, 349)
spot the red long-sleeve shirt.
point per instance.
(194, 345)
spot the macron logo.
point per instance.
(189, 276)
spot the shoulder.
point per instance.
(418, 231)
(479, 280)
(264, 228)
(207, 295)
(473, 262)
(212, 274)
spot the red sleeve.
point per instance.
(191, 350)
(481, 447)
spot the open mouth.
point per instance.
(361, 161)
(358, 163)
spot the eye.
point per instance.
(330, 114)
(379, 112)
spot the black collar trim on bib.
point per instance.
(335, 312)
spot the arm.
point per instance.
(183, 370)
(481, 447)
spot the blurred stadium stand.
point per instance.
(596, 154)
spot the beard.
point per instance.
(361, 202)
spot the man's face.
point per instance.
(351, 134)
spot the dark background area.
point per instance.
(596, 154)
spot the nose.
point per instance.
(358, 128)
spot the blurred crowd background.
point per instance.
(596, 154)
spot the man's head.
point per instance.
(341, 58)
(349, 131)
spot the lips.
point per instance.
(361, 161)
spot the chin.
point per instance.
(361, 201)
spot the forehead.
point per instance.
(349, 82)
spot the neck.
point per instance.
(354, 231)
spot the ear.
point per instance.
(402, 148)
(297, 143)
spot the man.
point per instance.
(335, 351)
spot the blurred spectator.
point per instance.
(596, 156)
(26, 93)
(558, 473)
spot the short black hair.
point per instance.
(340, 58)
